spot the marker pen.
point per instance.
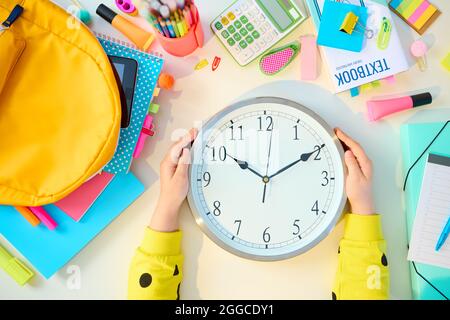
(141, 38)
(378, 109)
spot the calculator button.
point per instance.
(243, 44)
(231, 29)
(237, 49)
(255, 34)
(231, 41)
(243, 32)
(256, 47)
(225, 34)
(249, 39)
(244, 6)
(225, 21)
(231, 16)
(261, 18)
(244, 19)
(253, 12)
(250, 27)
(268, 38)
(218, 25)
(237, 24)
(237, 11)
(267, 26)
(237, 36)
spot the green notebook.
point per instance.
(428, 282)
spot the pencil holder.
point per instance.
(187, 44)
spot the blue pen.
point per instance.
(443, 236)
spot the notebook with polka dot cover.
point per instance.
(149, 69)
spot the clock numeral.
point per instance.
(216, 210)
(295, 233)
(269, 121)
(325, 178)
(315, 207)
(296, 132)
(318, 149)
(222, 153)
(238, 131)
(239, 226)
(206, 178)
(266, 235)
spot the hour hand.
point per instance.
(244, 166)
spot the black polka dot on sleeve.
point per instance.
(384, 261)
(333, 296)
(339, 250)
(178, 292)
(145, 280)
(176, 271)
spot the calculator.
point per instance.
(248, 28)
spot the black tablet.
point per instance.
(125, 72)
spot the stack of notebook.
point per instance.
(87, 211)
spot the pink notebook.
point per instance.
(76, 204)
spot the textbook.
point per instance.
(349, 69)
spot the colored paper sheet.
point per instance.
(333, 15)
(78, 202)
(48, 251)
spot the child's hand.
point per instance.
(174, 184)
(359, 176)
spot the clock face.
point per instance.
(267, 179)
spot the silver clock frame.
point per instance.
(194, 201)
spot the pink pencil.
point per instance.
(45, 218)
(188, 17)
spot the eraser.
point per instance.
(309, 58)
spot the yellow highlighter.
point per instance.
(14, 267)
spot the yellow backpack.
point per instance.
(60, 108)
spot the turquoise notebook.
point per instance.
(149, 69)
(426, 280)
(48, 251)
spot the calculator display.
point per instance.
(278, 13)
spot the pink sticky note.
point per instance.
(45, 218)
(76, 204)
(309, 58)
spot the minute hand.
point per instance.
(304, 157)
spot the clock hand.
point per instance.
(244, 166)
(266, 179)
(304, 157)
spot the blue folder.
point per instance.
(428, 282)
(48, 251)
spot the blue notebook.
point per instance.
(333, 14)
(428, 282)
(149, 69)
(48, 251)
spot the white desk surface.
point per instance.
(209, 271)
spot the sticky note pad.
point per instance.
(333, 14)
(418, 14)
(48, 251)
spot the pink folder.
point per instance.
(76, 204)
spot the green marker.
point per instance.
(14, 267)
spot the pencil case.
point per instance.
(187, 44)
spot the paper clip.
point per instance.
(385, 34)
(350, 23)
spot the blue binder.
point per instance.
(428, 282)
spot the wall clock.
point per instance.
(267, 179)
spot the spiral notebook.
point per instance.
(149, 69)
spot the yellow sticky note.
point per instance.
(446, 62)
(426, 15)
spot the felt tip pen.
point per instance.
(141, 38)
(14, 267)
(444, 235)
(378, 109)
(45, 218)
(28, 215)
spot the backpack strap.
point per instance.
(15, 13)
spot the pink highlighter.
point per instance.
(378, 109)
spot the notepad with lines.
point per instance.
(432, 214)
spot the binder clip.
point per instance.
(350, 24)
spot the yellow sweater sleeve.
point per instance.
(362, 264)
(156, 269)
